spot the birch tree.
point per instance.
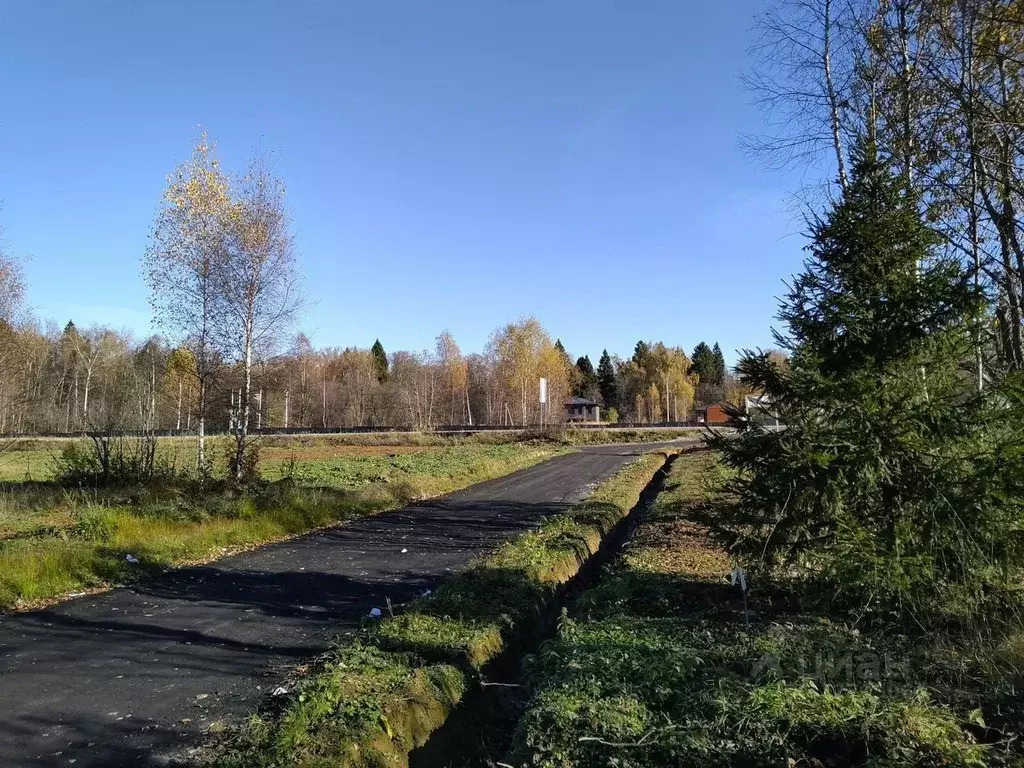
(802, 79)
(184, 265)
(179, 380)
(12, 289)
(12, 292)
(456, 375)
(259, 281)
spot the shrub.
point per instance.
(76, 465)
(111, 460)
(250, 472)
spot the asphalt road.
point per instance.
(134, 676)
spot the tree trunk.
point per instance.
(201, 452)
(85, 396)
(242, 429)
(833, 99)
(324, 416)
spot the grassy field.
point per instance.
(33, 458)
(374, 699)
(663, 664)
(55, 541)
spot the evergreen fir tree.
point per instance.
(641, 352)
(560, 348)
(719, 368)
(586, 384)
(607, 383)
(892, 482)
(380, 361)
(702, 363)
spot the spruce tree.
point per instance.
(719, 365)
(702, 363)
(560, 349)
(892, 482)
(586, 384)
(641, 352)
(607, 383)
(380, 361)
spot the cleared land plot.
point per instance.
(33, 458)
(56, 540)
(192, 649)
(657, 666)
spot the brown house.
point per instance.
(715, 415)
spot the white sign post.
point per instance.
(543, 399)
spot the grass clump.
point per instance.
(661, 665)
(407, 671)
(362, 707)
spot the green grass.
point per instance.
(363, 707)
(590, 436)
(657, 666)
(33, 458)
(55, 541)
(428, 470)
(448, 636)
(27, 464)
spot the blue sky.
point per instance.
(449, 164)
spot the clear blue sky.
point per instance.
(449, 164)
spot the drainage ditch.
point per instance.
(479, 731)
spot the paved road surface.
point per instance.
(131, 677)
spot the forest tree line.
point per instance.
(69, 380)
(226, 296)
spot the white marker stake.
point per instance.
(739, 576)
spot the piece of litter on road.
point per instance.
(279, 691)
(375, 613)
(130, 558)
(427, 593)
(404, 551)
